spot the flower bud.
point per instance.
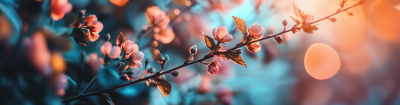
(332, 19)
(81, 13)
(151, 70)
(284, 22)
(193, 49)
(107, 37)
(176, 74)
(256, 31)
(213, 67)
(350, 13)
(222, 35)
(239, 51)
(254, 47)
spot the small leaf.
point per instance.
(69, 19)
(120, 39)
(279, 39)
(164, 86)
(156, 54)
(80, 36)
(209, 42)
(234, 57)
(240, 24)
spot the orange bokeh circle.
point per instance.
(321, 61)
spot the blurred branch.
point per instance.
(210, 55)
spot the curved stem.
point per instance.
(90, 84)
(196, 61)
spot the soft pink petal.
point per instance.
(106, 48)
(221, 32)
(167, 36)
(115, 52)
(38, 53)
(56, 16)
(214, 32)
(227, 38)
(93, 36)
(256, 31)
(98, 27)
(135, 72)
(67, 7)
(138, 56)
(94, 62)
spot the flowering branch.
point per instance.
(207, 56)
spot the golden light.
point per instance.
(383, 17)
(321, 61)
(119, 3)
(58, 63)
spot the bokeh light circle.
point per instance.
(321, 61)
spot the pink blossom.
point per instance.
(58, 8)
(38, 53)
(110, 51)
(134, 73)
(256, 31)
(224, 95)
(94, 27)
(254, 47)
(115, 52)
(59, 83)
(165, 36)
(222, 35)
(94, 63)
(129, 47)
(205, 84)
(214, 66)
(137, 56)
(158, 17)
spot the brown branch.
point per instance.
(194, 62)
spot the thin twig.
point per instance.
(196, 61)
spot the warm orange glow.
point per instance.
(58, 63)
(321, 61)
(384, 19)
(119, 3)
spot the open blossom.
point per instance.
(94, 27)
(157, 17)
(165, 36)
(160, 21)
(58, 8)
(214, 65)
(222, 35)
(129, 47)
(136, 59)
(38, 53)
(256, 31)
(254, 47)
(94, 62)
(134, 73)
(110, 51)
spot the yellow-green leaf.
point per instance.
(235, 58)
(240, 24)
(279, 39)
(209, 42)
(164, 86)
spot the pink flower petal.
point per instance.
(167, 36)
(309, 19)
(106, 48)
(254, 47)
(135, 72)
(38, 53)
(93, 36)
(256, 31)
(227, 38)
(115, 52)
(56, 16)
(221, 32)
(94, 62)
(138, 56)
(98, 27)
(214, 32)
(67, 7)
